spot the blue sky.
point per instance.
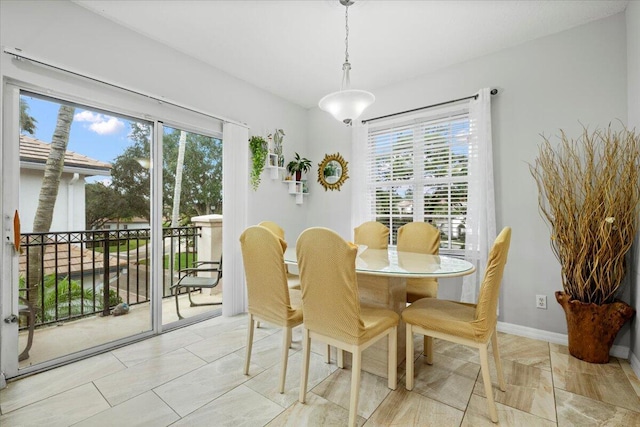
(92, 134)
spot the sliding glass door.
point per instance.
(83, 193)
(192, 225)
(105, 196)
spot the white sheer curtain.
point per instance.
(235, 184)
(481, 209)
(360, 203)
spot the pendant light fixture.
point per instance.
(347, 104)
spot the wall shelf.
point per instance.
(296, 189)
(272, 166)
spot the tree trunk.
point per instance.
(177, 190)
(47, 199)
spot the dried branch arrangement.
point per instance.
(588, 191)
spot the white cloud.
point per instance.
(100, 124)
(112, 125)
(86, 116)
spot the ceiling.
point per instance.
(295, 49)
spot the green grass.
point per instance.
(133, 244)
(185, 259)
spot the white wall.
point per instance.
(554, 82)
(633, 100)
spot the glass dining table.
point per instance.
(382, 282)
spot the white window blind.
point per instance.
(417, 168)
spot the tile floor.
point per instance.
(69, 337)
(193, 376)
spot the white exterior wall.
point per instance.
(68, 214)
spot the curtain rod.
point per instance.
(18, 54)
(493, 92)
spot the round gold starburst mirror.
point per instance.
(332, 171)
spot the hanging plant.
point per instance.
(259, 150)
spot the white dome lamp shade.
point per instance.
(347, 104)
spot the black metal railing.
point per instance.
(69, 275)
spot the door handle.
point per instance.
(11, 319)
(16, 231)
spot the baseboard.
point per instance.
(635, 364)
(537, 334)
(619, 351)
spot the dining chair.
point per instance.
(422, 238)
(273, 227)
(372, 234)
(267, 291)
(472, 325)
(332, 310)
(293, 280)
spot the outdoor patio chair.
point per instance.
(25, 308)
(190, 280)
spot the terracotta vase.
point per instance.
(298, 175)
(592, 328)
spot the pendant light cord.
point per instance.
(346, 38)
(346, 67)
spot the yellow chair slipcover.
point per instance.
(267, 291)
(372, 234)
(332, 311)
(469, 324)
(422, 238)
(293, 280)
(273, 227)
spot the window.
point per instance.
(417, 171)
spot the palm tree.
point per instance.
(48, 196)
(177, 189)
(27, 122)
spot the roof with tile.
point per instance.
(69, 259)
(37, 151)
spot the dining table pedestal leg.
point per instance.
(387, 292)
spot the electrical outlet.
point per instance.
(541, 301)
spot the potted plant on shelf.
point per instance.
(589, 193)
(259, 151)
(278, 135)
(298, 166)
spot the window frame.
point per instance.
(384, 136)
